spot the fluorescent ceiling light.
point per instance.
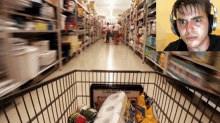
(111, 2)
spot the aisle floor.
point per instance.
(104, 56)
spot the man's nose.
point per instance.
(190, 27)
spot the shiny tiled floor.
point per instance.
(104, 56)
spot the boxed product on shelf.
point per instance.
(187, 72)
(40, 25)
(43, 45)
(162, 59)
(204, 57)
(71, 6)
(71, 18)
(80, 10)
(153, 41)
(50, 26)
(47, 58)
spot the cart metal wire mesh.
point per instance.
(56, 99)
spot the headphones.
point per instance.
(211, 18)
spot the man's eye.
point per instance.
(197, 20)
(182, 22)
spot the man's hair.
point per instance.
(205, 4)
(108, 23)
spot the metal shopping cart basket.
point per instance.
(56, 99)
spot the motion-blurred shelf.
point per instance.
(10, 88)
(155, 63)
(28, 16)
(153, 13)
(32, 31)
(199, 63)
(151, 47)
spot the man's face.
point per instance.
(192, 25)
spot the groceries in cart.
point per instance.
(117, 108)
(146, 110)
(84, 114)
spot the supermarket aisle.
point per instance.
(102, 56)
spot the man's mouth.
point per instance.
(191, 38)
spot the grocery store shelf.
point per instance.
(28, 16)
(10, 88)
(32, 31)
(172, 75)
(83, 7)
(4, 83)
(151, 34)
(139, 52)
(153, 13)
(44, 68)
(196, 62)
(140, 34)
(151, 47)
(154, 62)
(68, 30)
(152, 5)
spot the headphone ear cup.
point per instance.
(176, 28)
(211, 21)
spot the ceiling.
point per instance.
(118, 7)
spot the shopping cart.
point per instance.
(55, 100)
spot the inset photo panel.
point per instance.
(188, 25)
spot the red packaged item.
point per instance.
(77, 118)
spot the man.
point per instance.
(192, 25)
(107, 30)
(116, 30)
